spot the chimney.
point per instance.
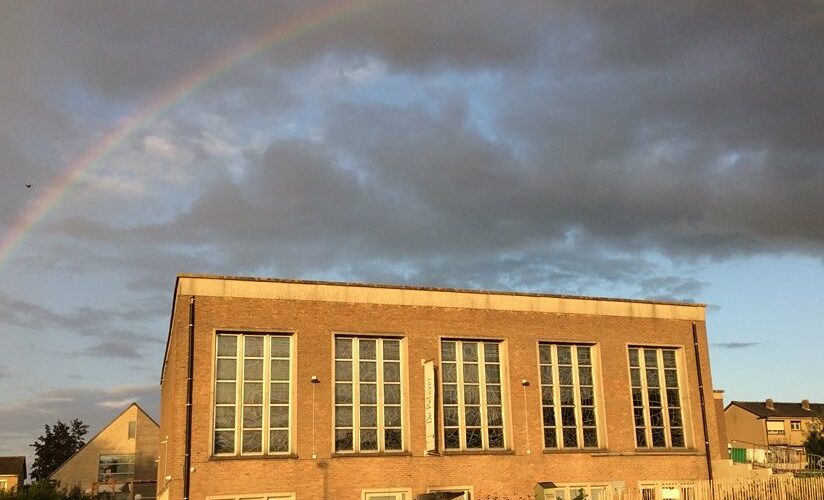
(805, 404)
(770, 405)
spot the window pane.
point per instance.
(252, 441)
(491, 353)
(450, 394)
(225, 417)
(253, 369)
(392, 416)
(392, 394)
(391, 350)
(278, 441)
(224, 441)
(368, 416)
(493, 374)
(550, 440)
(279, 416)
(495, 416)
(470, 373)
(472, 395)
(252, 417)
(225, 393)
(369, 440)
(496, 438)
(280, 347)
(449, 373)
(474, 438)
(452, 438)
(343, 416)
(343, 393)
(368, 371)
(368, 394)
(393, 439)
(252, 393)
(570, 437)
(564, 355)
(280, 369)
(227, 345)
(279, 393)
(493, 394)
(253, 347)
(590, 438)
(447, 351)
(470, 351)
(450, 416)
(343, 370)
(391, 372)
(343, 348)
(473, 416)
(226, 369)
(545, 354)
(584, 355)
(343, 440)
(367, 348)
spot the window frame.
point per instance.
(795, 425)
(554, 365)
(571, 489)
(399, 493)
(380, 395)
(776, 432)
(657, 488)
(254, 496)
(266, 403)
(683, 395)
(482, 385)
(468, 491)
(117, 477)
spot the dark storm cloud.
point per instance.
(610, 133)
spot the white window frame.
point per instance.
(665, 406)
(4, 484)
(482, 389)
(795, 425)
(569, 490)
(554, 367)
(266, 381)
(380, 397)
(398, 493)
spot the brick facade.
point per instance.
(314, 312)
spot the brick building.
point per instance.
(318, 390)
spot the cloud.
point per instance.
(736, 345)
(23, 420)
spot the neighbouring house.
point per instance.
(282, 389)
(769, 423)
(120, 459)
(12, 473)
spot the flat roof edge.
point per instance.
(433, 289)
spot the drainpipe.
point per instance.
(187, 460)
(703, 403)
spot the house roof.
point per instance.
(101, 431)
(12, 466)
(782, 410)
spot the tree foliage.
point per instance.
(43, 490)
(815, 437)
(56, 446)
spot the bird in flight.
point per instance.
(28, 186)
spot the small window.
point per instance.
(775, 427)
(795, 425)
(387, 494)
(117, 468)
(588, 491)
(456, 491)
(132, 429)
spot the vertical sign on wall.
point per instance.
(429, 405)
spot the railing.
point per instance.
(778, 458)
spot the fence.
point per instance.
(779, 487)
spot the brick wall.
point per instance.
(313, 324)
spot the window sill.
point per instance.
(219, 458)
(372, 454)
(477, 452)
(643, 452)
(564, 451)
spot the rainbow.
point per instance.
(40, 208)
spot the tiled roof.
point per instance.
(12, 465)
(782, 410)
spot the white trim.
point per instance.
(399, 493)
(254, 496)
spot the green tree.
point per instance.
(815, 437)
(56, 446)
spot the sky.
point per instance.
(648, 150)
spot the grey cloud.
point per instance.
(23, 420)
(736, 345)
